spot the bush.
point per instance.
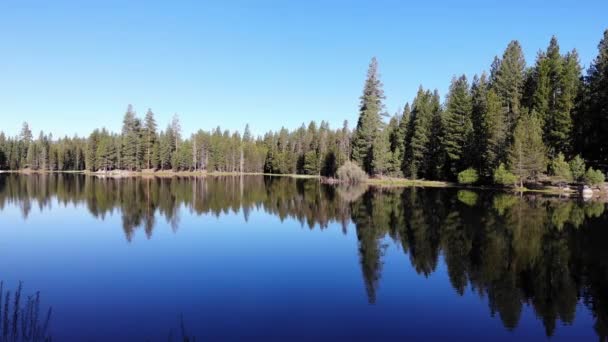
(560, 169)
(468, 176)
(503, 176)
(594, 177)
(351, 173)
(577, 168)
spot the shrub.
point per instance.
(503, 176)
(594, 177)
(351, 173)
(560, 169)
(577, 168)
(468, 176)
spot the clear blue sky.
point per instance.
(69, 67)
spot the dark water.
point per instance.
(285, 259)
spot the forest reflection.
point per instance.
(544, 252)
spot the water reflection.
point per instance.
(545, 252)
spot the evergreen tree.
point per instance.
(344, 146)
(403, 125)
(149, 135)
(567, 99)
(130, 140)
(381, 155)
(90, 152)
(555, 85)
(458, 126)
(25, 138)
(370, 119)
(527, 155)
(592, 115)
(495, 132)
(479, 108)
(417, 136)
(166, 148)
(434, 155)
(3, 152)
(507, 80)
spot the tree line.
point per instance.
(513, 124)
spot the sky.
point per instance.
(68, 67)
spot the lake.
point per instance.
(277, 258)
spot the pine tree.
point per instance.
(479, 108)
(90, 155)
(566, 103)
(404, 122)
(130, 140)
(458, 126)
(3, 152)
(507, 80)
(344, 146)
(395, 142)
(370, 119)
(166, 148)
(25, 139)
(381, 155)
(592, 114)
(555, 85)
(418, 133)
(495, 133)
(149, 137)
(435, 155)
(527, 155)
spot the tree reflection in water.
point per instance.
(545, 252)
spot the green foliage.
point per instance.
(560, 169)
(418, 135)
(381, 156)
(527, 156)
(577, 168)
(507, 79)
(311, 163)
(131, 144)
(149, 136)
(370, 124)
(554, 84)
(458, 126)
(594, 177)
(591, 124)
(468, 176)
(503, 176)
(477, 127)
(351, 173)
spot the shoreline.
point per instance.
(376, 182)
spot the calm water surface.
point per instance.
(279, 258)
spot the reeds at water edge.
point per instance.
(21, 322)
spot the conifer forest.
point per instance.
(516, 122)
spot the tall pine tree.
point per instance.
(555, 83)
(130, 140)
(149, 137)
(369, 125)
(527, 155)
(507, 80)
(592, 114)
(458, 126)
(418, 134)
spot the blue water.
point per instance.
(234, 276)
